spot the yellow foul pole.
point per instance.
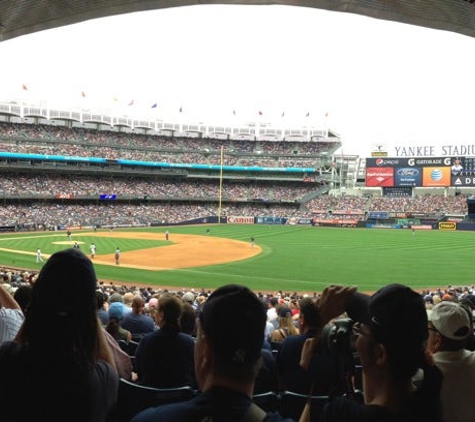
(220, 184)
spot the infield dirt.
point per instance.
(185, 251)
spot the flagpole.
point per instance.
(220, 184)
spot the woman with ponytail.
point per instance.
(164, 358)
(59, 367)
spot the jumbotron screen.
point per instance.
(420, 172)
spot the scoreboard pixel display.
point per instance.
(420, 172)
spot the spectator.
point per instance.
(391, 334)
(152, 307)
(468, 304)
(11, 315)
(59, 365)
(227, 358)
(128, 300)
(116, 297)
(322, 370)
(269, 329)
(114, 327)
(189, 297)
(165, 358)
(136, 321)
(449, 328)
(286, 326)
(102, 313)
(188, 320)
(267, 378)
(121, 359)
(23, 297)
(272, 311)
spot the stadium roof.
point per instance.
(28, 16)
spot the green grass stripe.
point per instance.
(295, 258)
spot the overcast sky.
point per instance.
(380, 82)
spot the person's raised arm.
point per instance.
(330, 304)
(7, 300)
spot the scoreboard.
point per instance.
(420, 172)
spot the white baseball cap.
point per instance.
(451, 320)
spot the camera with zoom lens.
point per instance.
(339, 336)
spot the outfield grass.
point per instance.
(296, 258)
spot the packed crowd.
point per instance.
(56, 140)
(436, 204)
(413, 349)
(45, 215)
(50, 185)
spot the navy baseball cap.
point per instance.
(233, 318)
(396, 315)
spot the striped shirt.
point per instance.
(10, 322)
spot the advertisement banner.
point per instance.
(270, 220)
(296, 221)
(239, 219)
(334, 222)
(423, 227)
(447, 225)
(378, 215)
(436, 176)
(461, 181)
(400, 191)
(408, 176)
(379, 176)
(412, 172)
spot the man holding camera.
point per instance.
(321, 373)
(391, 331)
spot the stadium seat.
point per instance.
(136, 337)
(292, 404)
(128, 347)
(268, 401)
(275, 345)
(123, 345)
(133, 398)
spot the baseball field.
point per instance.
(288, 258)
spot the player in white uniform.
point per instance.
(92, 248)
(39, 256)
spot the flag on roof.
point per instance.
(24, 87)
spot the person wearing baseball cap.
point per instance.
(227, 359)
(391, 335)
(449, 328)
